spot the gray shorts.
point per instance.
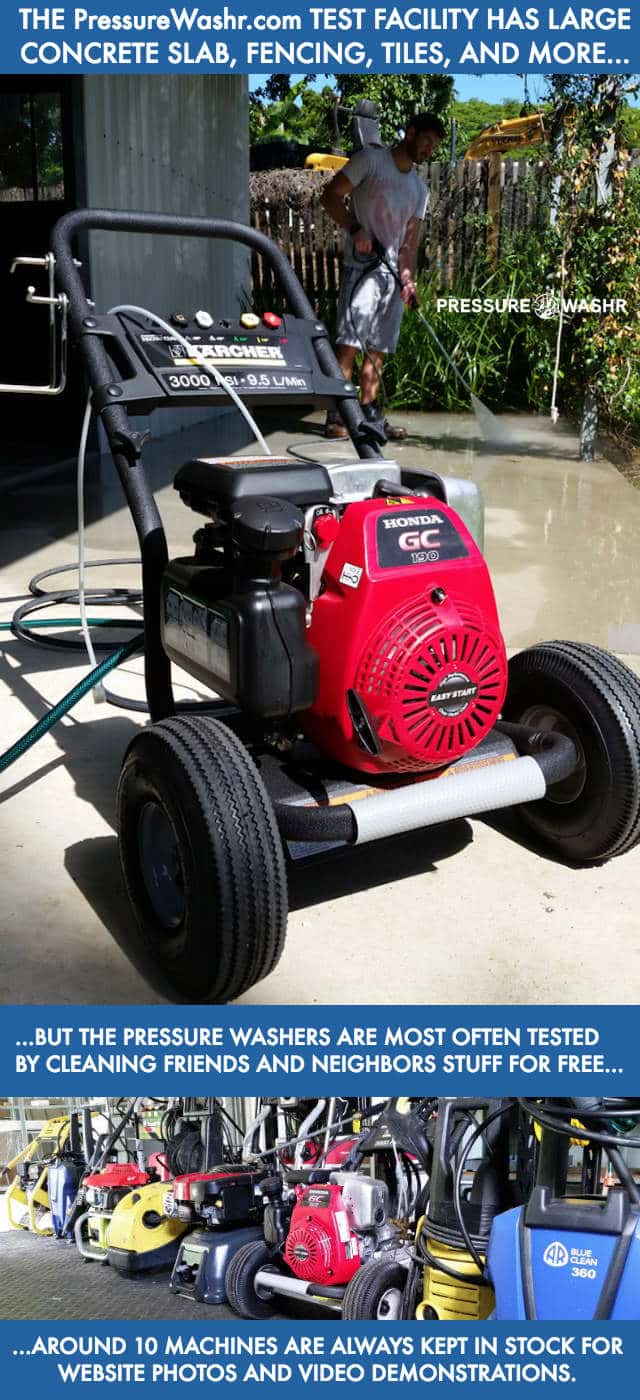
(369, 310)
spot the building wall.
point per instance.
(174, 145)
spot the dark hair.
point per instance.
(426, 121)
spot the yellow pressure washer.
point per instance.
(447, 1278)
(28, 1197)
(141, 1235)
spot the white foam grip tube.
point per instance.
(274, 1282)
(484, 789)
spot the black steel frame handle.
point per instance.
(123, 221)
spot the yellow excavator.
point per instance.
(509, 135)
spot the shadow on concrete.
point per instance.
(512, 825)
(351, 869)
(94, 867)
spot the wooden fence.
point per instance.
(473, 212)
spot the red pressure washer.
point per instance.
(345, 616)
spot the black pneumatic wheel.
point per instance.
(240, 1281)
(587, 694)
(375, 1292)
(202, 860)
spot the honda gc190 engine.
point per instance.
(413, 669)
(334, 1226)
(368, 616)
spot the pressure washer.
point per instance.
(334, 1234)
(447, 1279)
(67, 1169)
(343, 615)
(144, 1234)
(572, 1251)
(27, 1198)
(113, 1172)
(223, 1205)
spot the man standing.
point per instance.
(388, 201)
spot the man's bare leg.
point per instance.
(370, 376)
(370, 381)
(346, 357)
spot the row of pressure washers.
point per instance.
(435, 1209)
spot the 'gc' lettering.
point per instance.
(419, 539)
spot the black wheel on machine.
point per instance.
(242, 1295)
(591, 696)
(202, 860)
(375, 1292)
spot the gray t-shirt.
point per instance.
(384, 198)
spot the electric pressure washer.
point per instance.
(67, 1169)
(572, 1251)
(28, 1200)
(447, 1279)
(344, 616)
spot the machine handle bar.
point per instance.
(123, 221)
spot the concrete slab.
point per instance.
(464, 914)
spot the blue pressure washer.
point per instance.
(572, 1252)
(66, 1172)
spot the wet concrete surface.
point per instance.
(465, 913)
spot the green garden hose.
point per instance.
(63, 706)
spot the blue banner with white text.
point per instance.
(217, 38)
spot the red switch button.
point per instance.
(272, 321)
(325, 529)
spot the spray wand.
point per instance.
(489, 426)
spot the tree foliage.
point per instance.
(593, 252)
(299, 112)
(398, 96)
(31, 140)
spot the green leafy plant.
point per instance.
(492, 350)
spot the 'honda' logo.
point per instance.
(402, 522)
(556, 1255)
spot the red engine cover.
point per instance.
(182, 1184)
(321, 1247)
(118, 1174)
(407, 620)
